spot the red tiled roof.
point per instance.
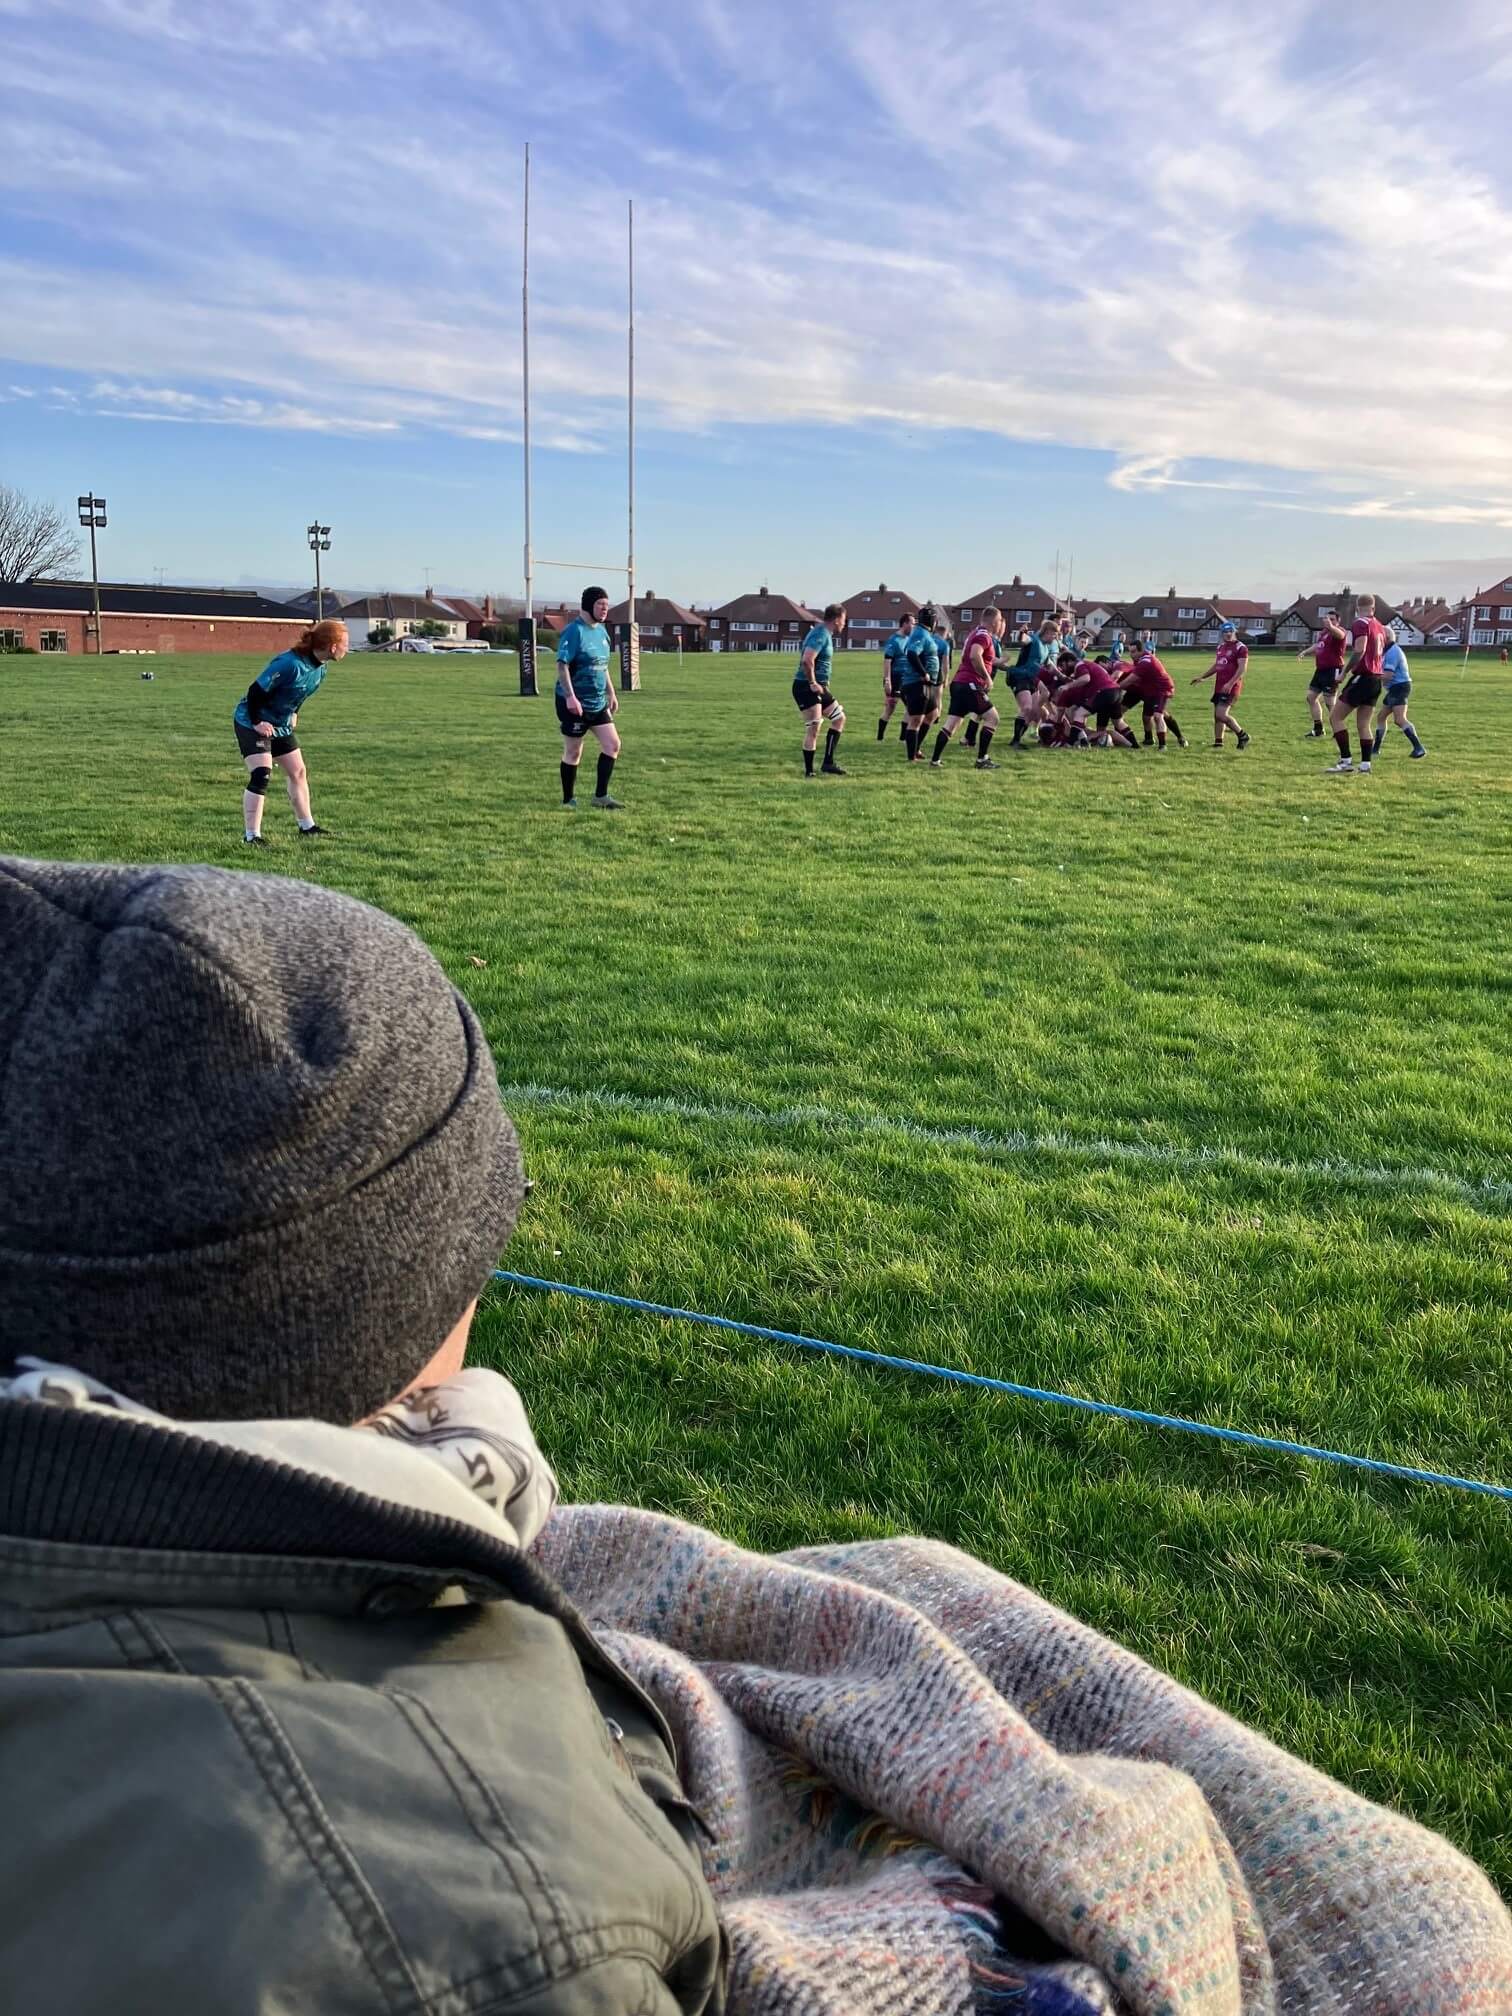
(1011, 595)
(656, 609)
(764, 607)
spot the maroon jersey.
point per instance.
(967, 673)
(1374, 636)
(1329, 652)
(1150, 679)
(1231, 660)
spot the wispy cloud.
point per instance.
(307, 217)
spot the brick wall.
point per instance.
(163, 634)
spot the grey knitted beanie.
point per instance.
(252, 1157)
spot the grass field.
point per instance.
(1237, 1032)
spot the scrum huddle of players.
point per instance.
(1065, 697)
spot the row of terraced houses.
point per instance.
(766, 622)
(57, 616)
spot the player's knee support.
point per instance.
(258, 782)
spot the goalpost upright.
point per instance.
(629, 646)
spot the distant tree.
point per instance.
(35, 539)
(430, 628)
(381, 633)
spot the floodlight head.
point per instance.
(86, 503)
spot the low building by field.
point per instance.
(58, 616)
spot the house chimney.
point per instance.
(764, 589)
(430, 593)
(1171, 592)
(488, 609)
(881, 587)
(1018, 581)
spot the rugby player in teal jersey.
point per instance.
(893, 653)
(812, 695)
(264, 721)
(1024, 679)
(586, 699)
(944, 644)
(921, 682)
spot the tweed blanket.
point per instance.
(929, 1791)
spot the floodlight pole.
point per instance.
(318, 538)
(631, 664)
(525, 382)
(92, 514)
(94, 570)
(527, 621)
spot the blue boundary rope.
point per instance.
(1008, 1386)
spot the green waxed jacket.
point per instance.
(250, 1765)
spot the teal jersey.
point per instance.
(923, 658)
(1036, 652)
(288, 682)
(820, 642)
(944, 647)
(584, 650)
(895, 647)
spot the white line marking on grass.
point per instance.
(1488, 1192)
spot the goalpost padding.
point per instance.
(629, 657)
(528, 657)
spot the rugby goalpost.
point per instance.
(629, 642)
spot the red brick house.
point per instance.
(58, 616)
(1438, 623)
(1020, 601)
(872, 616)
(1486, 616)
(1173, 621)
(663, 624)
(760, 622)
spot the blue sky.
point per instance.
(1218, 296)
